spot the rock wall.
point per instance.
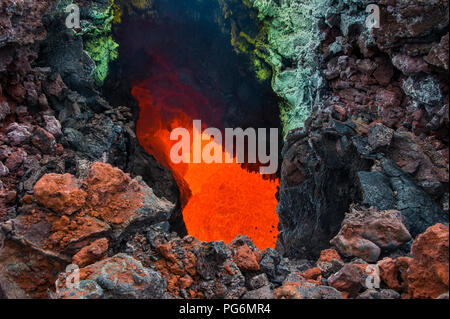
(378, 136)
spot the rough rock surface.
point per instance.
(117, 277)
(349, 280)
(91, 253)
(366, 233)
(428, 271)
(382, 97)
(66, 221)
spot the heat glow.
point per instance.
(222, 200)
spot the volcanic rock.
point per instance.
(310, 210)
(380, 136)
(349, 280)
(394, 272)
(379, 294)
(4, 171)
(91, 253)
(4, 110)
(331, 267)
(24, 273)
(365, 233)
(60, 193)
(245, 259)
(274, 266)
(43, 140)
(70, 221)
(15, 160)
(259, 281)
(438, 55)
(264, 292)
(428, 275)
(52, 125)
(303, 290)
(18, 134)
(118, 277)
(200, 270)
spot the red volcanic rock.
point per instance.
(15, 160)
(329, 262)
(69, 228)
(419, 158)
(398, 25)
(112, 195)
(389, 273)
(438, 55)
(91, 253)
(313, 275)
(394, 272)
(24, 272)
(245, 259)
(349, 280)
(365, 233)
(211, 267)
(287, 291)
(428, 273)
(43, 140)
(328, 255)
(60, 193)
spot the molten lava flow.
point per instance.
(226, 200)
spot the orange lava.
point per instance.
(224, 200)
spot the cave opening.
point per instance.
(178, 64)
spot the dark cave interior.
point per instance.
(180, 65)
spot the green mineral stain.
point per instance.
(286, 35)
(291, 37)
(96, 32)
(97, 38)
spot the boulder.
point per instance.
(365, 233)
(428, 273)
(117, 277)
(349, 280)
(73, 220)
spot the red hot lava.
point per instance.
(225, 200)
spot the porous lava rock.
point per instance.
(428, 271)
(366, 233)
(72, 220)
(117, 277)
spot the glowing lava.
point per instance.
(225, 199)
